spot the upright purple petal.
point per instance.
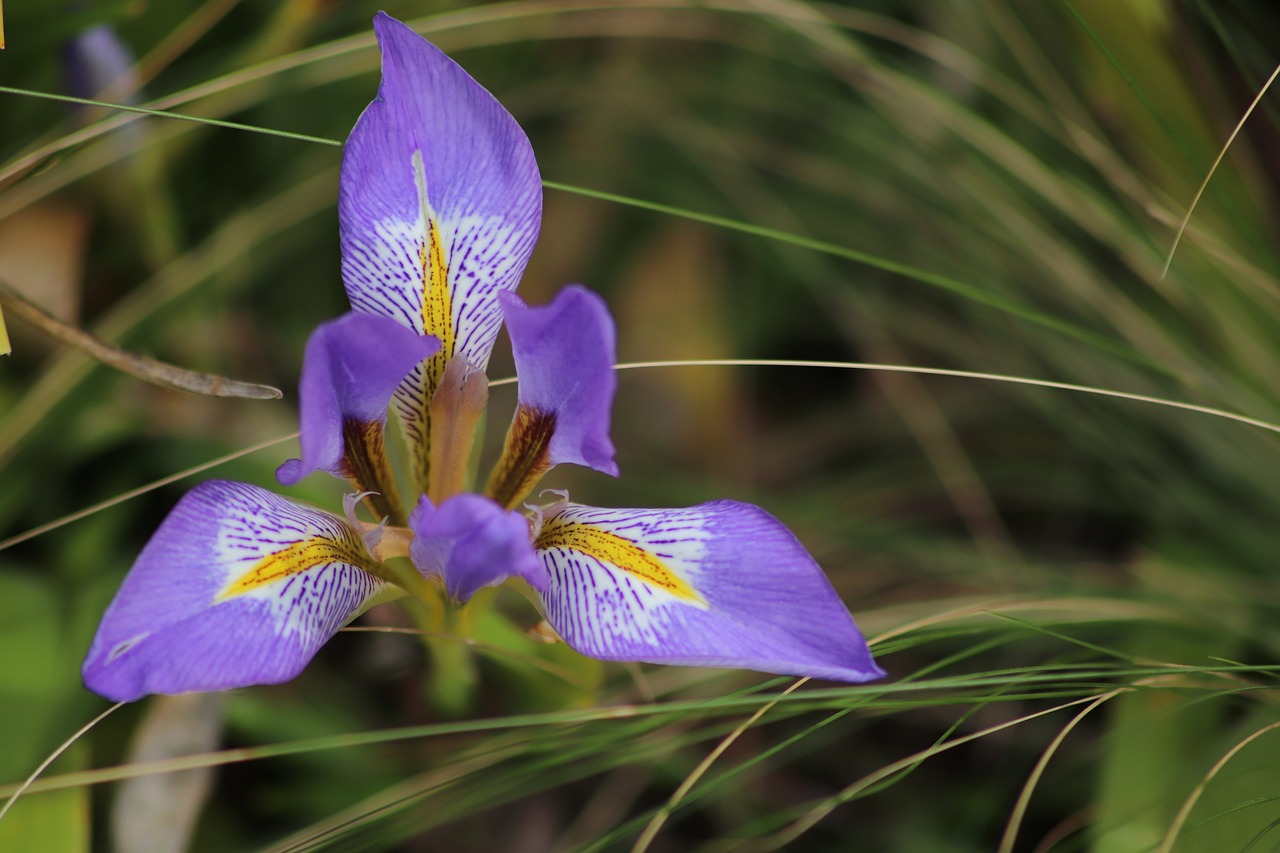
(721, 584)
(350, 369)
(564, 354)
(237, 587)
(471, 542)
(439, 209)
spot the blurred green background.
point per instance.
(988, 186)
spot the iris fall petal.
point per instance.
(237, 587)
(721, 584)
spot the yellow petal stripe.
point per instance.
(437, 307)
(437, 301)
(413, 401)
(295, 559)
(614, 550)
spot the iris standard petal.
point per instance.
(471, 542)
(720, 584)
(350, 369)
(238, 586)
(439, 207)
(564, 354)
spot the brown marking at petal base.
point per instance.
(526, 456)
(364, 457)
(544, 633)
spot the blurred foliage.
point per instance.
(1009, 176)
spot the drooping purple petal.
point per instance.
(564, 355)
(471, 543)
(238, 586)
(439, 208)
(350, 369)
(720, 584)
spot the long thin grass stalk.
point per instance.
(17, 791)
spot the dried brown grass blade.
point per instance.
(139, 366)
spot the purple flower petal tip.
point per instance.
(471, 542)
(351, 367)
(237, 587)
(564, 354)
(721, 584)
(290, 472)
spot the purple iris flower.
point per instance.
(439, 210)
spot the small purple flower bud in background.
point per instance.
(96, 62)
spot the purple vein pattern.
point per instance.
(192, 616)
(764, 603)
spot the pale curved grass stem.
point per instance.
(1182, 227)
(942, 371)
(655, 825)
(53, 756)
(1166, 844)
(141, 490)
(1024, 797)
(723, 362)
(798, 828)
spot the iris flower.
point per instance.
(439, 208)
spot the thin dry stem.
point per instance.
(138, 366)
(939, 371)
(1020, 808)
(141, 490)
(1183, 813)
(785, 836)
(655, 825)
(1168, 261)
(53, 756)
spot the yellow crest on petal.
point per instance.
(437, 299)
(614, 550)
(437, 307)
(295, 559)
